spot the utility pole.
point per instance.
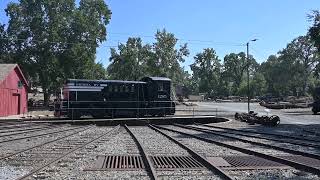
(248, 74)
(248, 94)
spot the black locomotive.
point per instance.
(316, 103)
(114, 98)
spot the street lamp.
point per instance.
(248, 64)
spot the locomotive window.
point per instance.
(160, 86)
(121, 88)
(126, 88)
(110, 88)
(132, 88)
(115, 88)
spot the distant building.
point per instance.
(196, 97)
(13, 90)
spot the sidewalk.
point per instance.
(30, 115)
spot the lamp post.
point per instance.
(248, 65)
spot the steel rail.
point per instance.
(144, 154)
(67, 153)
(45, 143)
(38, 135)
(13, 127)
(265, 133)
(315, 156)
(10, 121)
(27, 129)
(268, 138)
(291, 163)
(213, 168)
(30, 131)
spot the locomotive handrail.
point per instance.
(125, 108)
(114, 101)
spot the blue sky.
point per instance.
(224, 24)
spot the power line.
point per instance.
(191, 41)
(181, 41)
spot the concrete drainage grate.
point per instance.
(118, 162)
(254, 162)
(135, 162)
(175, 162)
(302, 159)
(251, 162)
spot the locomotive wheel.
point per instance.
(274, 120)
(236, 116)
(74, 115)
(98, 114)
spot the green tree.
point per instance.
(206, 71)
(133, 60)
(55, 40)
(167, 58)
(130, 61)
(301, 54)
(258, 85)
(235, 68)
(314, 32)
(4, 53)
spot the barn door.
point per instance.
(18, 100)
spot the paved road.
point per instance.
(288, 116)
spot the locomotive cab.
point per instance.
(316, 103)
(159, 95)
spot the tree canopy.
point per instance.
(133, 60)
(55, 40)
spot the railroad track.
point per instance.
(217, 133)
(37, 135)
(13, 127)
(165, 162)
(147, 161)
(27, 131)
(275, 135)
(257, 136)
(45, 143)
(282, 160)
(42, 157)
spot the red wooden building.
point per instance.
(13, 90)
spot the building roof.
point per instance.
(102, 81)
(159, 78)
(5, 70)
